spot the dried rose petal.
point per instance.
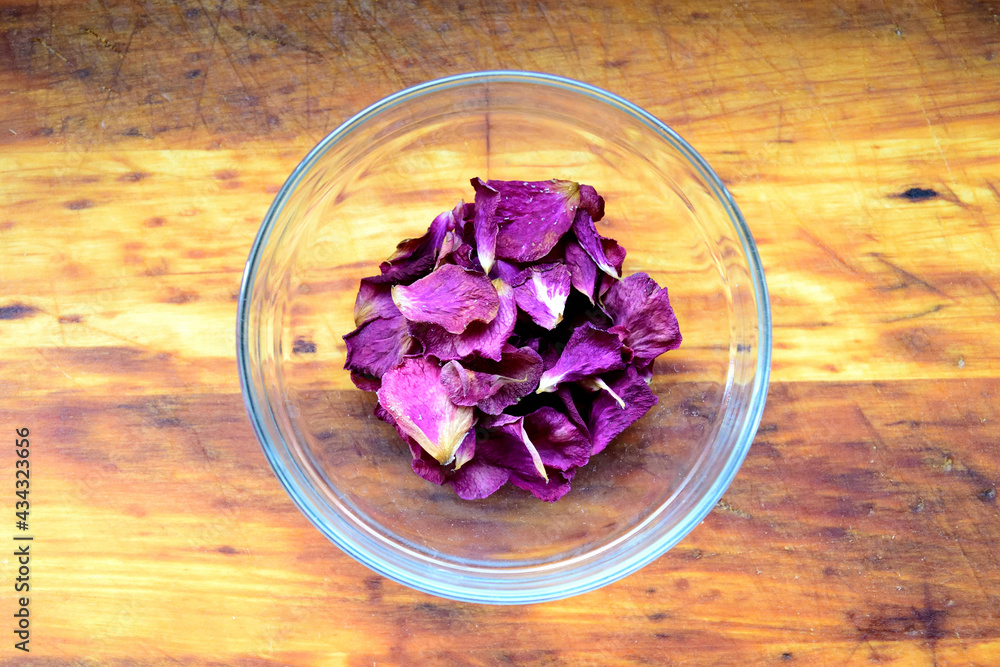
(413, 395)
(493, 385)
(549, 490)
(486, 224)
(591, 202)
(378, 345)
(560, 444)
(514, 456)
(643, 318)
(590, 241)
(478, 480)
(582, 269)
(608, 418)
(486, 340)
(531, 217)
(541, 291)
(414, 258)
(590, 351)
(450, 297)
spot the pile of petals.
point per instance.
(504, 345)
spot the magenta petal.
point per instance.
(486, 340)
(378, 345)
(550, 490)
(589, 351)
(591, 202)
(572, 408)
(607, 416)
(505, 270)
(365, 382)
(450, 297)
(560, 444)
(643, 317)
(485, 223)
(590, 241)
(374, 300)
(582, 269)
(541, 291)
(532, 216)
(478, 479)
(413, 395)
(520, 453)
(414, 258)
(466, 450)
(493, 385)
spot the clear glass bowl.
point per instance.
(381, 177)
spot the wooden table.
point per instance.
(142, 143)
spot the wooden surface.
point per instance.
(140, 145)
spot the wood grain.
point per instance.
(140, 146)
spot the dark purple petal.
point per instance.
(591, 202)
(532, 217)
(467, 449)
(560, 444)
(582, 269)
(520, 454)
(378, 345)
(614, 252)
(414, 258)
(572, 408)
(413, 395)
(478, 479)
(607, 416)
(505, 270)
(365, 382)
(550, 490)
(589, 351)
(493, 385)
(424, 465)
(487, 340)
(486, 224)
(590, 241)
(373, 300)
(450, 297)
(643, 318)
(541, 291)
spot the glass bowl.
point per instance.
(381, 177)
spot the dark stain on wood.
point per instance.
(16, 311)
(373, 586)
(79, 204)
(919, 194)
(226, 174)
(228, 550)
(154, 222)
(303, 346)
(988, 495)
(180, 296)
(133, 177)
(70, 319)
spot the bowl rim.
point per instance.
(594, 578)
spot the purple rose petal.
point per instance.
(413, 395)
(374, 300)
(590, 241)
(478, 480)
(591, 202)
(450, 297)
(589, 351)
(549, 490)
(506, 271)
(643, 318)
(541, 291)
(560, 444)
(608, 418)
(493, 385)
(365, 382)
(532, 216)
(414, 258)
(514, 457)
(582, 269)
(487, 340)
(571, 406)
(486, 223)
(377, 346)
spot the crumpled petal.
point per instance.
(377, 346)
(571, 405)
(414, 258)
(582, 269)
(450, 297)
(506, 271)
(486, 340)
(608, 418)
(589, 351)
(541, 291)
(486, 224)
(591, 242)
(531, 217)
(559, 442)
(493, 385)
(374, 300)
(478, 479)
(413, 395)
(550, 490)
(643, 318)
(591, 202)
(514, 456)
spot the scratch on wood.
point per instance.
(906, 275)
(913, 316)
(111, 46)
(51, 50)
(830, 251)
